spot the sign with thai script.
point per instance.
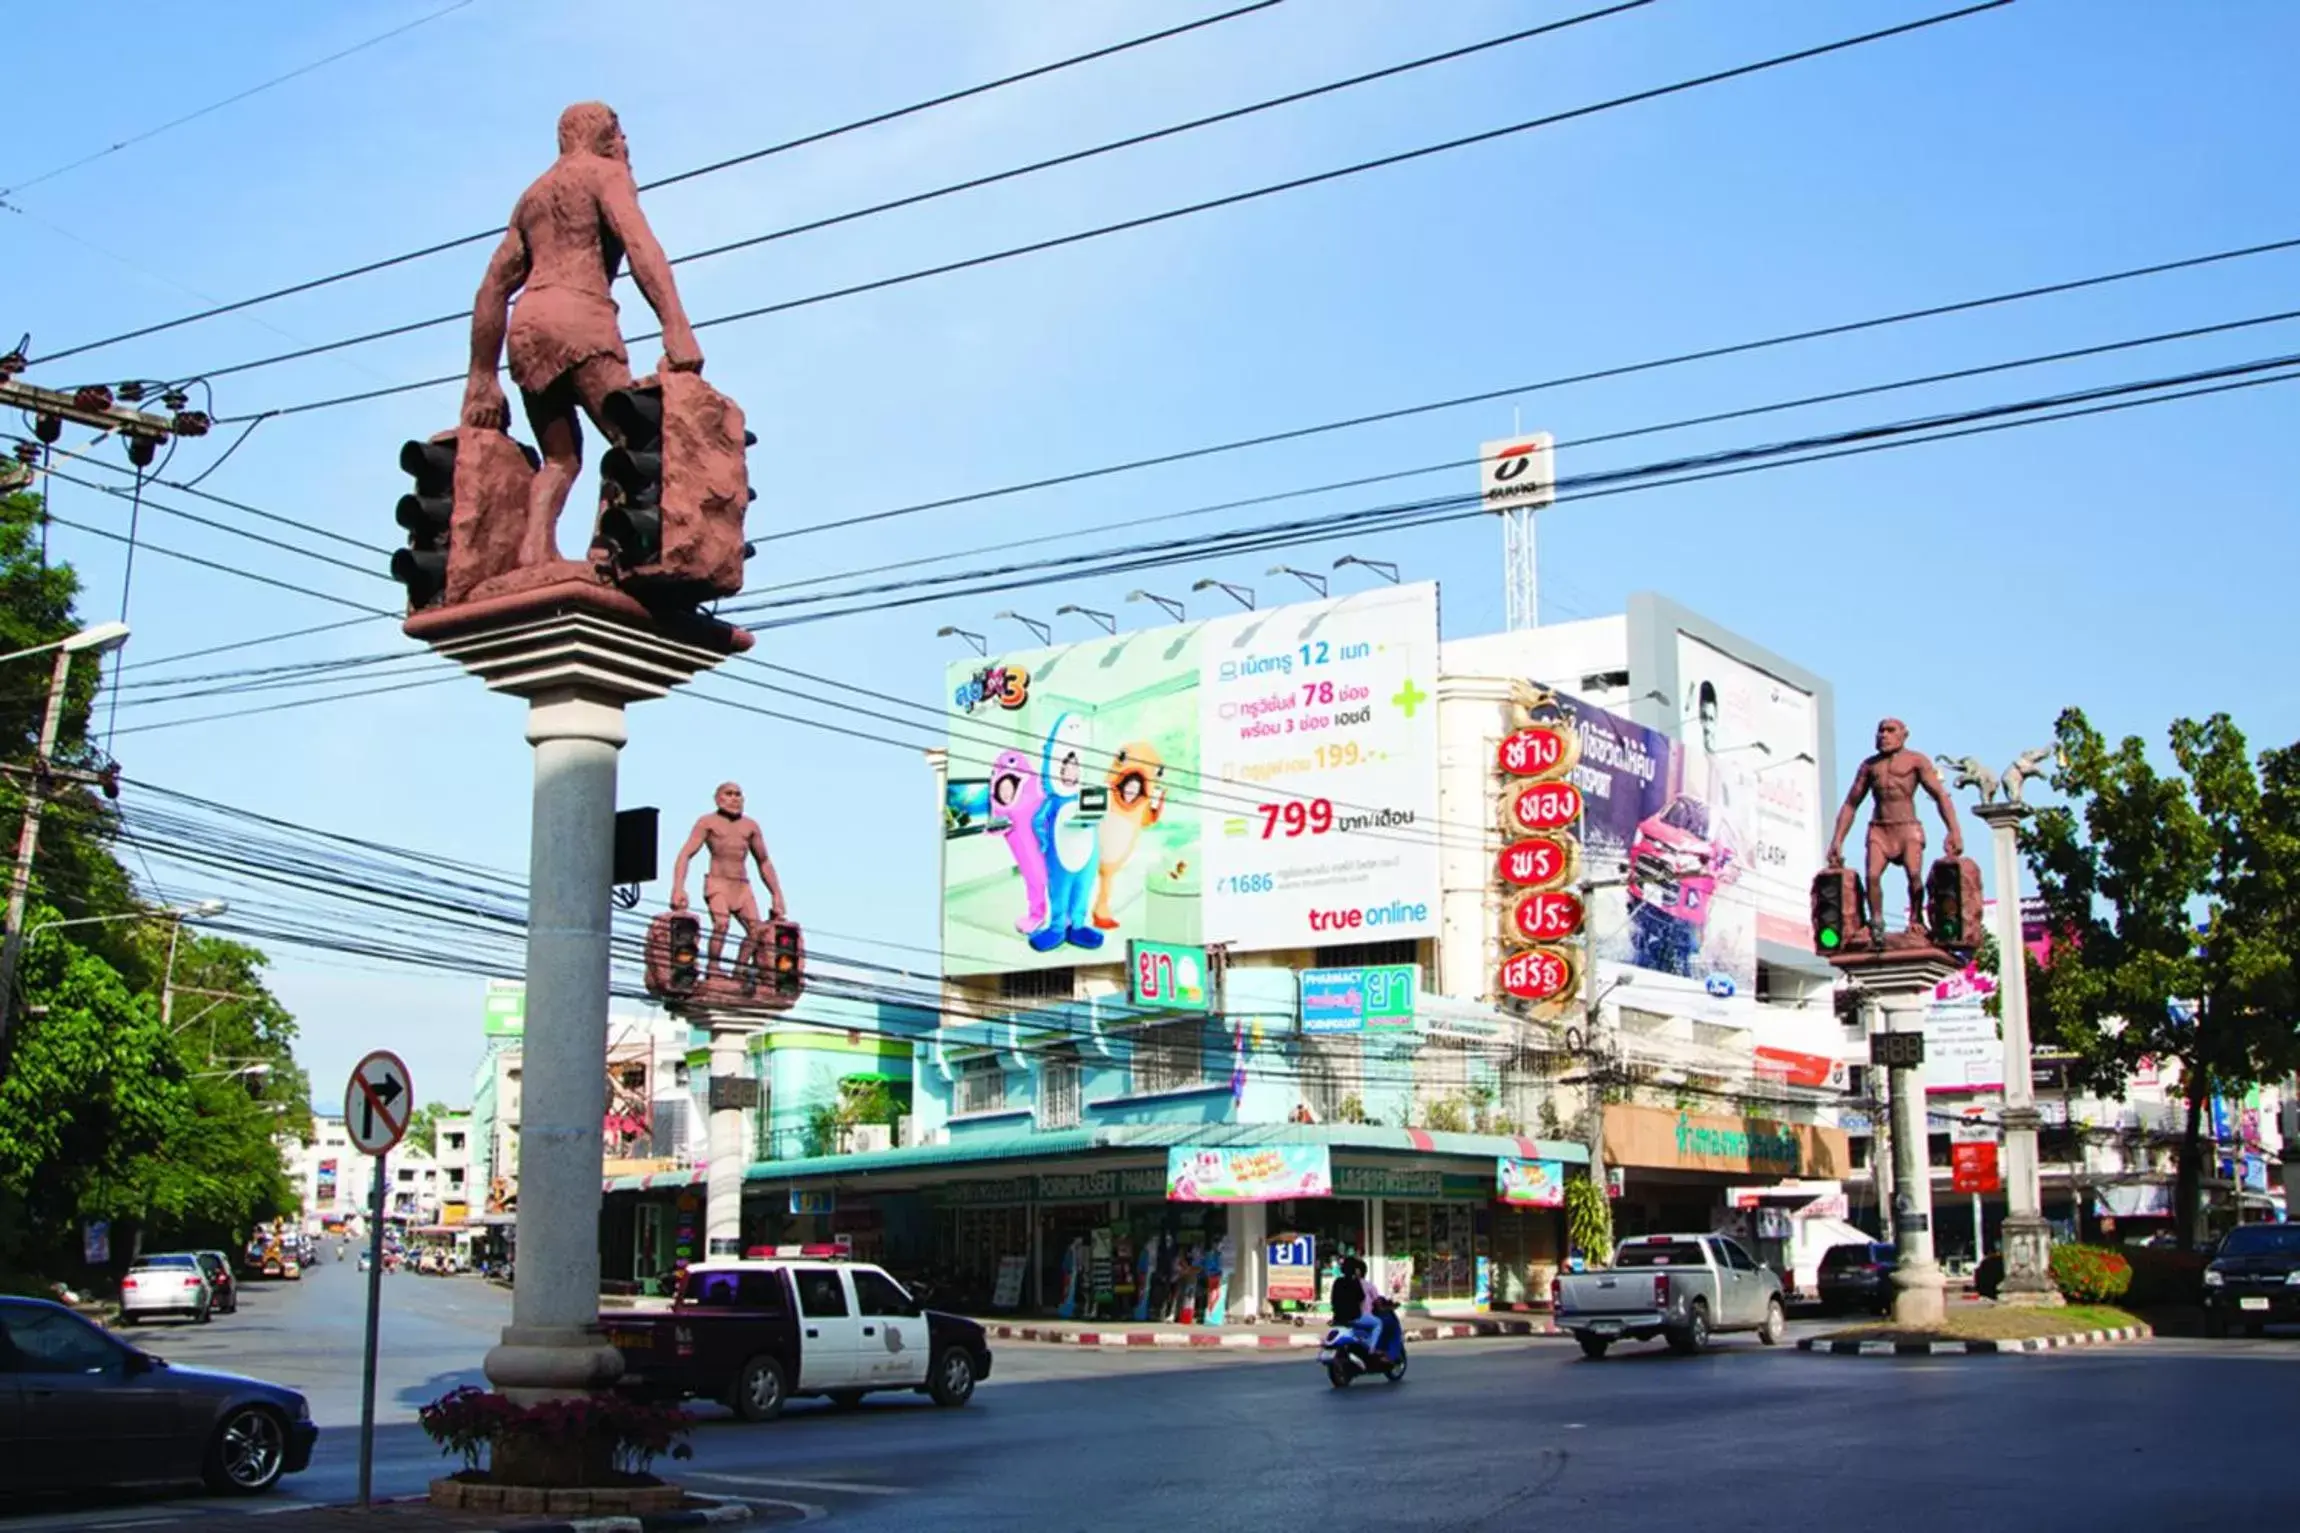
(1263, 1174)
(1530, 1183)
(1351, 1000)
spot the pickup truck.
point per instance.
(1683, 1287)
(751, 1334)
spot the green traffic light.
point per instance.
(1829, 937)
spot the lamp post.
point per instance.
(1315, 582)
(1381, 567)
(981, 644)
(100, 639)
(1242, 595)
(1167, 604)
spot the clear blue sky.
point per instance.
(1974, 588)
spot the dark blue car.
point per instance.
(82, 1410)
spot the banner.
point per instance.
(1266, 1174)
(323, 1191)
(1752, 751)
(504, 1013)
(1530, 1183)
(1260, 780)
(1963, 1049)
(1678, 928)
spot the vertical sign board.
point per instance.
(1166, 976)
(504, 1014)
(1540, 824)
(376, 1106)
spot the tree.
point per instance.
(2174, 904)
(423, 1127)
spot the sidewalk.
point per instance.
(1150, 1333)
(417, 1515)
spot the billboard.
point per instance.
(1963, 1049)
(1668, 917)
(1265, 780)
(1752, 751)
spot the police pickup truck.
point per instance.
(1682, 1287)
(753, 1333)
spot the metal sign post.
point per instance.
(376, 1106)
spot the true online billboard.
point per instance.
(1263, 779)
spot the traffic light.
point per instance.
(632, 523)
(686, 954)
(426, 514)
(1840, 916)
(786, 961)
(1953, 903)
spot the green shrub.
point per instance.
(1589, 1220)
(2161, 1276)
(2090, 1274)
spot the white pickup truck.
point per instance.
(1683, 1287)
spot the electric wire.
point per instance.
(819, 136)
(1233, 199)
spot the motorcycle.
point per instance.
(1346, 1357)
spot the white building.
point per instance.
(335, 1180)
(452, 1149)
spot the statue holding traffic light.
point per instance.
(674, 484)
(734, 839)
(1891, 779)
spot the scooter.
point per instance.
(1346, 1357)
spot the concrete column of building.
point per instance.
(2027, 1239)
(1250, 1232)
(1900, 984)
(553, 1345)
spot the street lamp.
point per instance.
(98, 640)
(1172, 607)
(1381, 567)
(1801, 758)
(1315, 582)
(981, 644)
(1109, 623)
(1044, 633)
(1242, 595)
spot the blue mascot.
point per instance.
(1073, 851)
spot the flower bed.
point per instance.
(590, 1443)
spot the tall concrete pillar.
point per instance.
(553, 1343)
(578, 655)
(1900, 983)
(2027, 1238)
(730, 1156)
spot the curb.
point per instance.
(725, 1511)
(2027, 1344)
(1255, 1339)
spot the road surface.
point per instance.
(1488, 1434)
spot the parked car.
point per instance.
(2253, 1280)
(158, 1286)
(82, 1410)
(221, 1281)
(1685, 1288)
(1857, 1276)
(752, 1334)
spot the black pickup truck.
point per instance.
(751, 1334)
(2254, 1279)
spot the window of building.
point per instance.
(1169, 1057)
(1058, 1093)
(406, 1174)
(454, 1141)
(981, 1085)
(455, 1178)
(1038, 985)
(1367, 955)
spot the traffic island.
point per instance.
(418, 1515)
(1986, 1330)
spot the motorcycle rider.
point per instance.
(1382, 1314)
(1354, 1297)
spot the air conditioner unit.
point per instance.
(870, 1136)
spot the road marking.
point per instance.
(848, 1487)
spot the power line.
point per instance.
(1682, 423)
(227, 569)
(238, 644)
(1233, 199)
(233, 99)
(820, 136)
(225, 527)
(1620, 370)
(975, 183)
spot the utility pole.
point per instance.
(95, 405)
(1880, 1124)
(102, 637)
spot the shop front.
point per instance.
(1681, 1169)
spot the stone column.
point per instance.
(553, 1345)
(1900, 983)
(2027, 1239)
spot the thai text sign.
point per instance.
(1660, 1138)
(1293, 1269)
(1350, 1000)
(1167, 976)
(1263, 1174)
